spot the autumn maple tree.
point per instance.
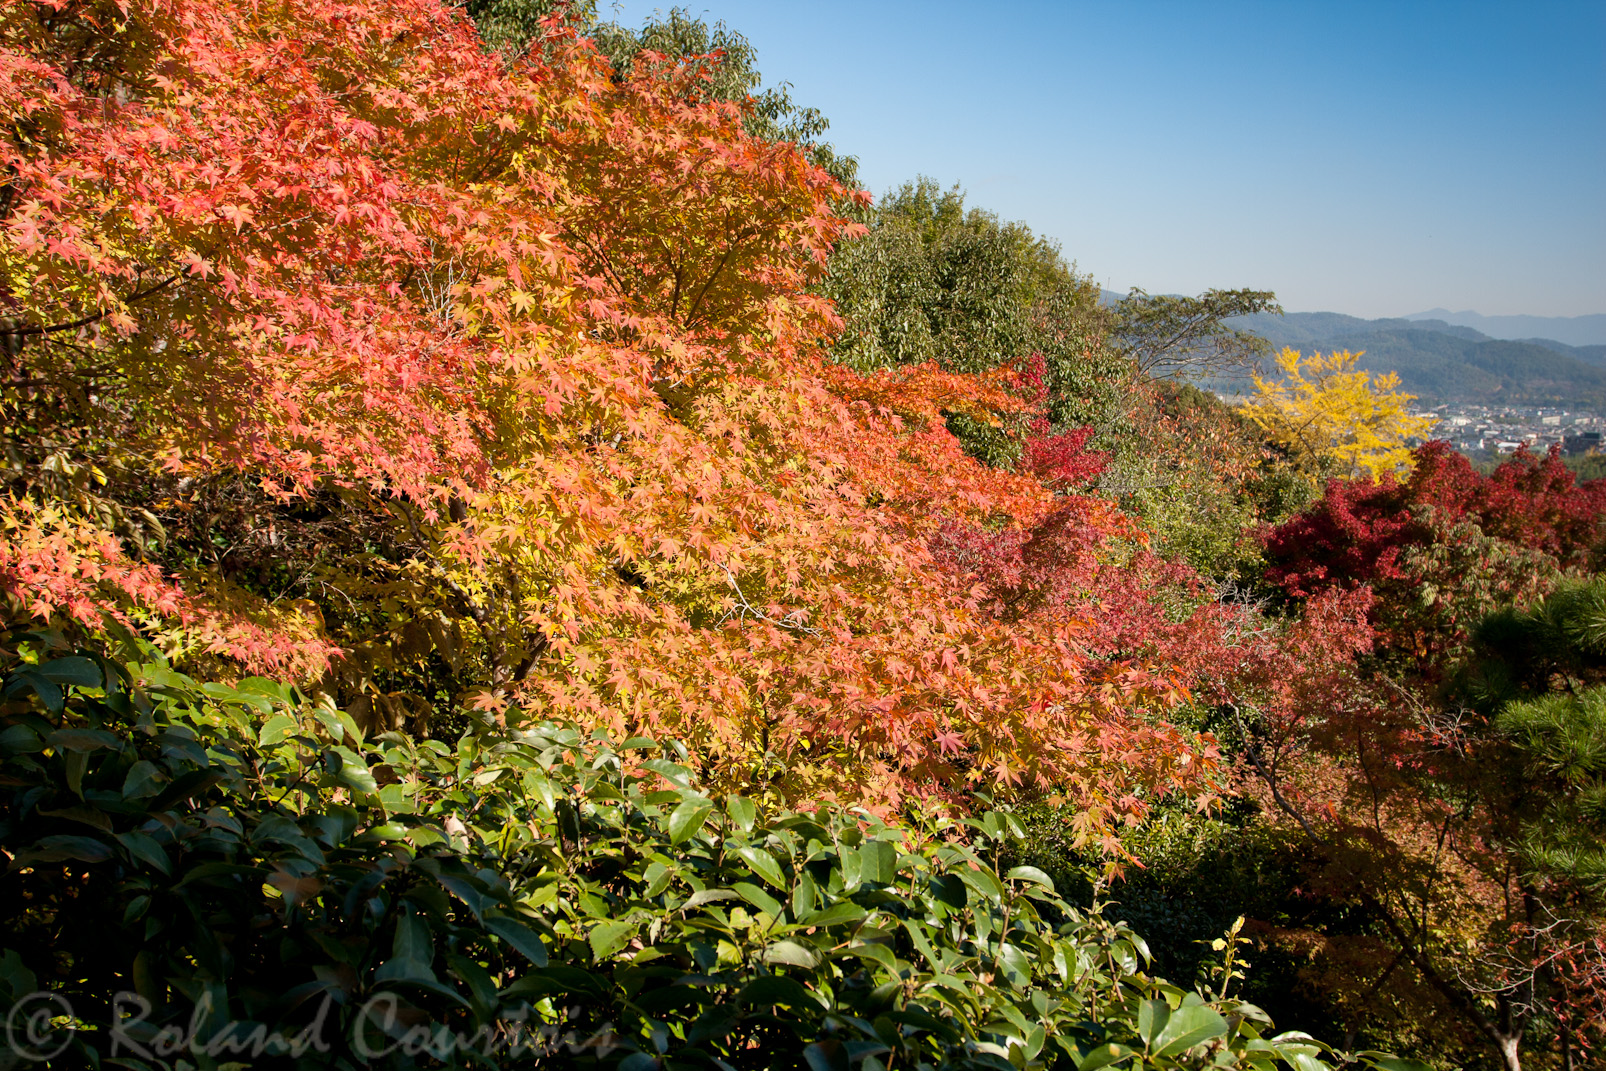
(1420, 765)
(428, 378)
(1443, 547)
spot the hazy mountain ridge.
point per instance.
(1570, 330)
(1441, 361)
(1593, 354)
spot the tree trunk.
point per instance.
(1509, 1044)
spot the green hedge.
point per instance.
(242, 864)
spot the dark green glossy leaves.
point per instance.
(543, 890)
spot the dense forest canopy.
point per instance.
(494, 515)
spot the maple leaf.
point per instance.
(489, 702)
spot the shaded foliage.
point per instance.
(276, 871)
(1202, 478)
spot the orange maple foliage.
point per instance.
(555, 328)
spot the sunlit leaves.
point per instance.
(1322, 406)
(454, 380)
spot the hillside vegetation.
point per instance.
(510, 558)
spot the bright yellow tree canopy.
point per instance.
(1324, 407)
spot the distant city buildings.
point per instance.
(1474, 429)
(1487, 429)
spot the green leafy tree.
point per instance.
(1538, 680)
(512, 26)
(1543, 678)
(1171, 335)
(1591, 466)
(1201, 477)
(932, 281)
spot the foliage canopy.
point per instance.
(428, 376)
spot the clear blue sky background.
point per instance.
(1377, 159)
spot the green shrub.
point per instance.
(1192, 877)
(242, 864)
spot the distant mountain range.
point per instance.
(1458, 357)
(1570, 330)
(1442, 361)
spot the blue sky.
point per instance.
(1377, 159)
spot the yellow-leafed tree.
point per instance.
(1325, 409)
